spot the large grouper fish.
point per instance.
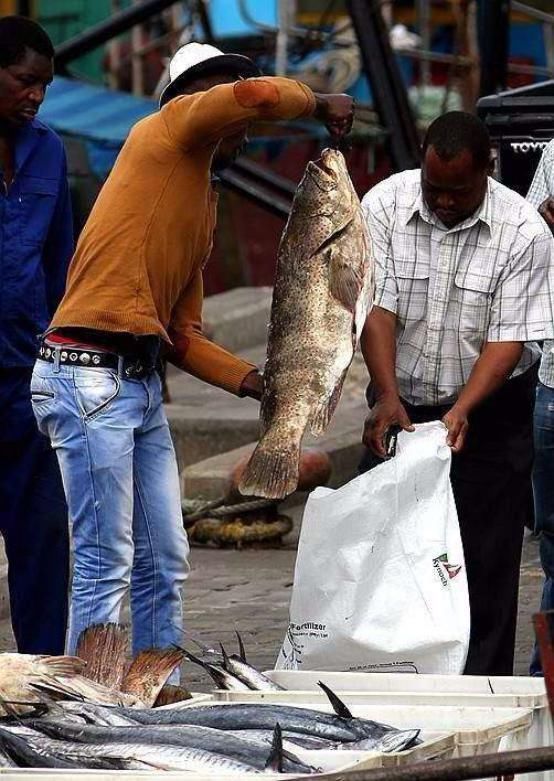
(323, 291)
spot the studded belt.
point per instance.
(129, 367)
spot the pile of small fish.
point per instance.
(230, 738)
(55, 717)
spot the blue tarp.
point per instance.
(100, 116)
(81, 109)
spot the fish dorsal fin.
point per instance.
(338, 705)
(66, 666)
(242, 652)
(149, 671)
(275, 758)
(104, 649)
(225, 656)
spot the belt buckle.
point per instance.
(135, 370)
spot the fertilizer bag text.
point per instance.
(380, 582)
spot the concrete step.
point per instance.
(209, 479)
(238, 319)
(204, 420)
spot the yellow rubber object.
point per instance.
(235, 532)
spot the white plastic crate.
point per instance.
(444, 690)
(477, 730)
(306, 680)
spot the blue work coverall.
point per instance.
(36, 243)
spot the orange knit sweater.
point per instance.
(138, 263)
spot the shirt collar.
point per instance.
(483, 213)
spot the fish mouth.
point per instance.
(321, 164)
(325, 162)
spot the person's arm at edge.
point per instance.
(204, 117)
(378, 344)
(194, 353)
(540, 193)
(491, 370)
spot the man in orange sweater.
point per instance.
(134, 284)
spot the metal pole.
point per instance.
(493, 22)
(534, 13)
(462, 769)
(424, 27)
(285, 22)
(103, 31)
(136, 58)
(389, 91)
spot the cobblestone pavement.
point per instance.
(249, 591)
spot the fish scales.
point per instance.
(206, 738)
(322, 294)
(158, 755)
(255, 716)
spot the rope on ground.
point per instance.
(250, 522)
(218, 509)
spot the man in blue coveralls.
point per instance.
(36, 243)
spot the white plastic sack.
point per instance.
(380, 581)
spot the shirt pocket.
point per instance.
(96, 390)
(412, 279)
(37, 198)
(473, 292)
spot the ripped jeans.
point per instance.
(122, 487)
(543, 489)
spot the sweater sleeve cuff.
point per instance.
(311, 101)
(232, 377)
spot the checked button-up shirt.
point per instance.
(488, 279)
(542, 187)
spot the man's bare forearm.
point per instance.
(379, 350)
(378, 343)
(491, 370)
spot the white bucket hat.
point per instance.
(198, 59)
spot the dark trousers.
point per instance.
(543, 486)
(491, 481)
(33, 522)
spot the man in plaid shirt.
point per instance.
(540, 196)
(465, 285)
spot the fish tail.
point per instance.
(273, 469)
(170, 694)
(149, 671)
(104, 649)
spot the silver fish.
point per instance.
(259, 716)
(323, 291)
(159, 755)
(291, 740)
(253, 678)
(25, 751)
(206, 738)
(222, 677)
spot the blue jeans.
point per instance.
(121, 482)
(543, 489)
